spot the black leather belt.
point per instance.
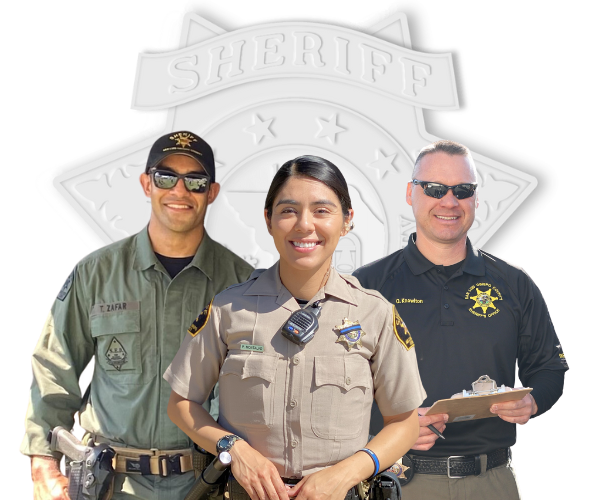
(459, 466)
(236, 492)
(291, 480)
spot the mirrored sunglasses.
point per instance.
(437, 190)
(165, 179)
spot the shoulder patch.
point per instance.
(201, 320)
(402, 333)
(561, 356)
(66, 288)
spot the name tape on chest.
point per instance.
(402, 333)
(200, 321)
(114, 307)
(252, 348)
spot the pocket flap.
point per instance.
(329, 371)
(358, 372)
(109, 319)
(262, 365)
(344, 371)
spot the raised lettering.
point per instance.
(307, 45)
(373, 61)
(233, 60)
(411, 79)
(341, 64)
(182, 69)
(266, 51)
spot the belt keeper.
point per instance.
(477, 465)
(145, 465)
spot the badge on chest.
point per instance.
(350, 334)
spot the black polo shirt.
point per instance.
(478, 320)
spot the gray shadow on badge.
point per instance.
(436, 122)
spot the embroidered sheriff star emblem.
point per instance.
(183, 139)
(484, 300)
(350, 334)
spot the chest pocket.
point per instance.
(116, 330)
(341, 396)
(246, 387)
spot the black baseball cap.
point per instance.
(182, 143)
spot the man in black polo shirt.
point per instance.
(470, 314)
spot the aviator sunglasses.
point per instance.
(437, 190)
(194, 183)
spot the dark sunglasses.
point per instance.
(437, 190)
(194, 183)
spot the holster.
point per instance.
(386, 486)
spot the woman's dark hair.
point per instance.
(313, 167)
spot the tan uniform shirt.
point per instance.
(303, 408)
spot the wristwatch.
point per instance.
(226, 442)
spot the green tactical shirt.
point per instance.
(121, 307)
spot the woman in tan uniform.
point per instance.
(293, 412)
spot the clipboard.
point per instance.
(462, 409)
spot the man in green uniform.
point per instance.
(127, 306)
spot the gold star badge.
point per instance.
(350, 334)
(402, 471)
(484, 300)
(183, 139)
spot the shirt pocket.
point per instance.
(341, 387)
(118, 342)
(246, 387)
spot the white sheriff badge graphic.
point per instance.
(265, 94)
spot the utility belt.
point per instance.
(163, 463)
(237, 492)
(456, 466)
(152, 461)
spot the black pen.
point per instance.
(432, 428)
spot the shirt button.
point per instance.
(294, 443)
(293, 403)
(445, 287)
(446, 306)
(348, 380)
(295, 360)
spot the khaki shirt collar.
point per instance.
(269, 283)
(204, 259)
(418, 264)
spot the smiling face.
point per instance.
(177, 210)
(306, 224)
(446, 220)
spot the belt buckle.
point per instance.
(172, 465)
(448, 466)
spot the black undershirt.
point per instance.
(173, 265)
(450, 270)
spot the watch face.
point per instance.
(225, 443)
